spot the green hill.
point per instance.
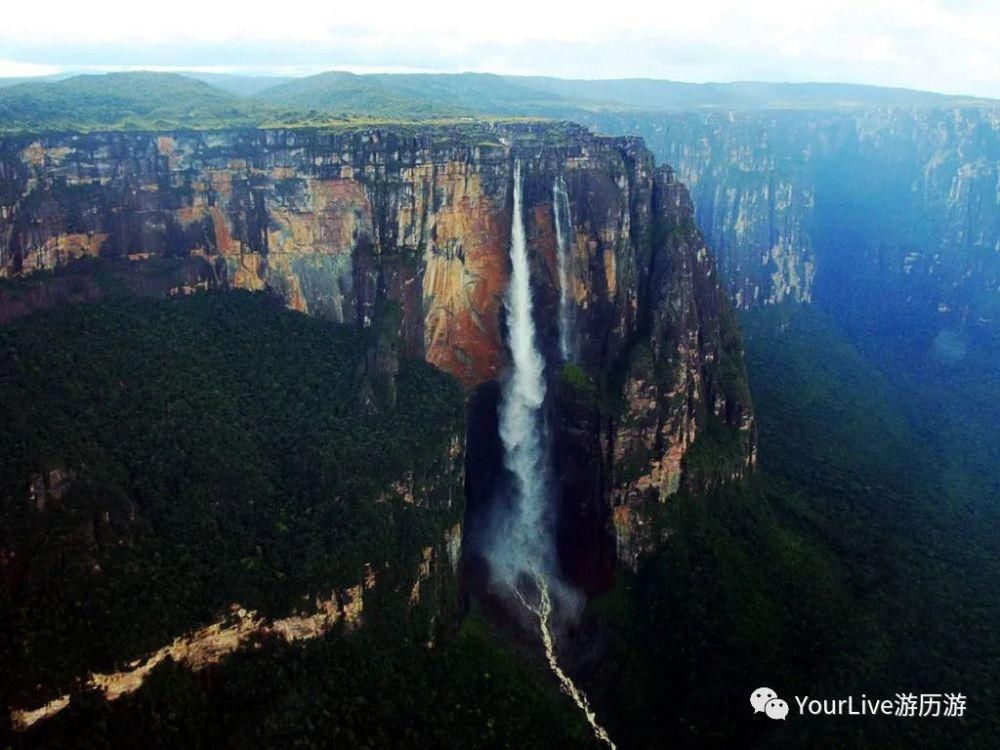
(420, 95)
(161, 101)
(416, 96)
(129, 101)
(354, 95)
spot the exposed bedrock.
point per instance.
(348, 225)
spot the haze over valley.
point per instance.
(528, 408)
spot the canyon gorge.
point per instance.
(339, 225)
(891, 211)
(445, 384)
(407, 235)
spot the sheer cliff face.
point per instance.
(339, 225)
(901, 206)
(332, 224)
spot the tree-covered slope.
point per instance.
(351, 94)
(163, 459)
(417, 96)
(377, 688)
(166, 459)
(126, 101)
(150, 101)
(852, 564)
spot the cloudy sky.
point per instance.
(941, 45)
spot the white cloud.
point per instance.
(15, 68)
(937, 44)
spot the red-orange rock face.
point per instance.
(464, 265)
(342, 225)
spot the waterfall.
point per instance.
(563, 222)
(522, 549)
(525, 544)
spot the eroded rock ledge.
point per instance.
(211, 644)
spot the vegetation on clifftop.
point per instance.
(170, 101)
(124, 101)
(164, 101)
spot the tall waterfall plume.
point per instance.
(561, 214)
(524, 543)
(522, 556)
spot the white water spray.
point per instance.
(560, 211)
(522, 546)
(524, 542)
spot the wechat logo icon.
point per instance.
(766, 700)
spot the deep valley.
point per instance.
(273, 409)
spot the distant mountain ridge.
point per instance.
(129, 101)
(487, 93)
(421, 95)
(147, 100)
(656, 94)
